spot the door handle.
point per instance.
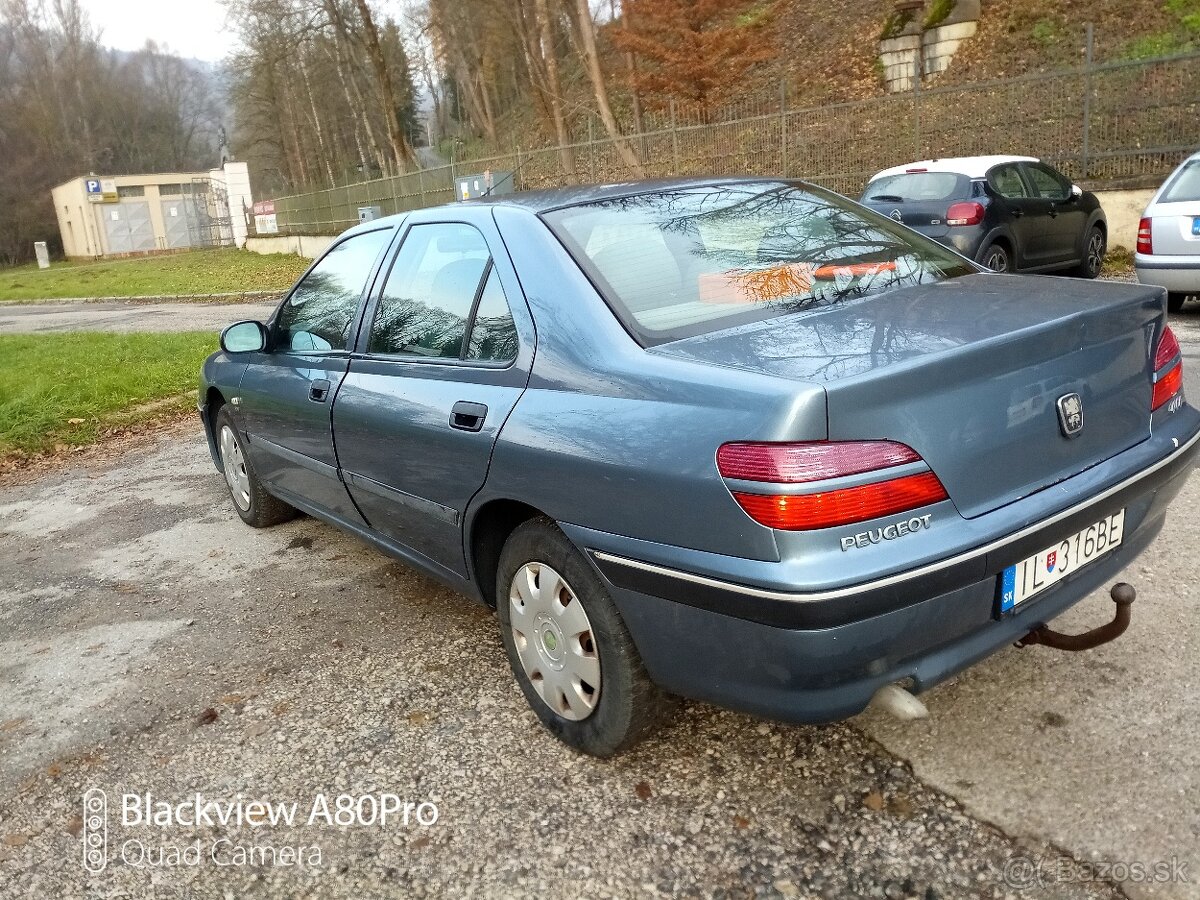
(1017, 212)
(467, 416)
(318, 391)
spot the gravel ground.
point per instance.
(154, 644)
(127, 316)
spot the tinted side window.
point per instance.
(1048, 183)
(430, 292)
(318, 314)
(493, 334)
(1007, 182)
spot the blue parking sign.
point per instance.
(93, 188)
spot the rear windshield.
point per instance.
(673, 264)
(1185, 185)
(917, 186)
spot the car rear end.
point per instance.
(948, 206)
(992, 450)
(1168, 242)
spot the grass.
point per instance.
(114, 380)
(193, 272)
(1118, 261)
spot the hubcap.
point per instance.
(997, 261)
(236, 475)
(554, 641)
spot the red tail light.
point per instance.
(808, 462)
(1145, 241)
(964, 214)
(1167, 381)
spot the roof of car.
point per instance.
(971, 166)
(575, 195)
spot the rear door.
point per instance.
(442, 358)
(1063, 232)
(1024, 214)
(1175, 217)
(286, 393)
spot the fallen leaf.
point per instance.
(74, 826)
(419, 717)
(207, 717)
(420, 842)
(873, 801)
(643, 791)
(54, 769)
(741, 822)
(76, 421)
(280, 708)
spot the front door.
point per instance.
(287, 392)
(441, 366)
(1063, 234)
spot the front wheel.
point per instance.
(568, 646)
(997, 259)
(251, 500)
(1094, 250)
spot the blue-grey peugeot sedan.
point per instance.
(740, 440)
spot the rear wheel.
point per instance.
(1175, 302)
(996, 257)
(251, 500)
(568, 646)
(1093, 254)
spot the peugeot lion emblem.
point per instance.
(897, 215)
(1070, 414)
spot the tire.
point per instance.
(997, 258)
(1094, 250)
(251, 500)
(559, 650)
(1175, 302)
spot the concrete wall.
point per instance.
(307, 245)
(1124, 210)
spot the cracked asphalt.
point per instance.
(152, 643)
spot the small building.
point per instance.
(123, 215)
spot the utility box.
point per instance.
(369, 213)
(43, 254)
(485, 184)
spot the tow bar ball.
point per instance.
(1122, 594)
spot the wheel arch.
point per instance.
(487, 531)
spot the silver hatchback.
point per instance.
(1168, 242)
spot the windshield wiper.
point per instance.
(890, 198)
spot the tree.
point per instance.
(697, 50)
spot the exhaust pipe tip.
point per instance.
(900, 703)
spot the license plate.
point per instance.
(1033, 575)
(1196, 225)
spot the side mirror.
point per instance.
(244, 337)
(1076, 191)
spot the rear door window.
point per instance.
(321, 309)
(441, 287)
(1048, 183)
(1006, 181)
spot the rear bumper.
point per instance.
(788, 658)
(1179, 274)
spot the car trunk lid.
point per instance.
(1175, 228)
(968, 372)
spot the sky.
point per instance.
(191, 28)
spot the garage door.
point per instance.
(128, 228)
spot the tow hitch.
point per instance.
(1122, 594)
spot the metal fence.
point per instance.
(1124, 124)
